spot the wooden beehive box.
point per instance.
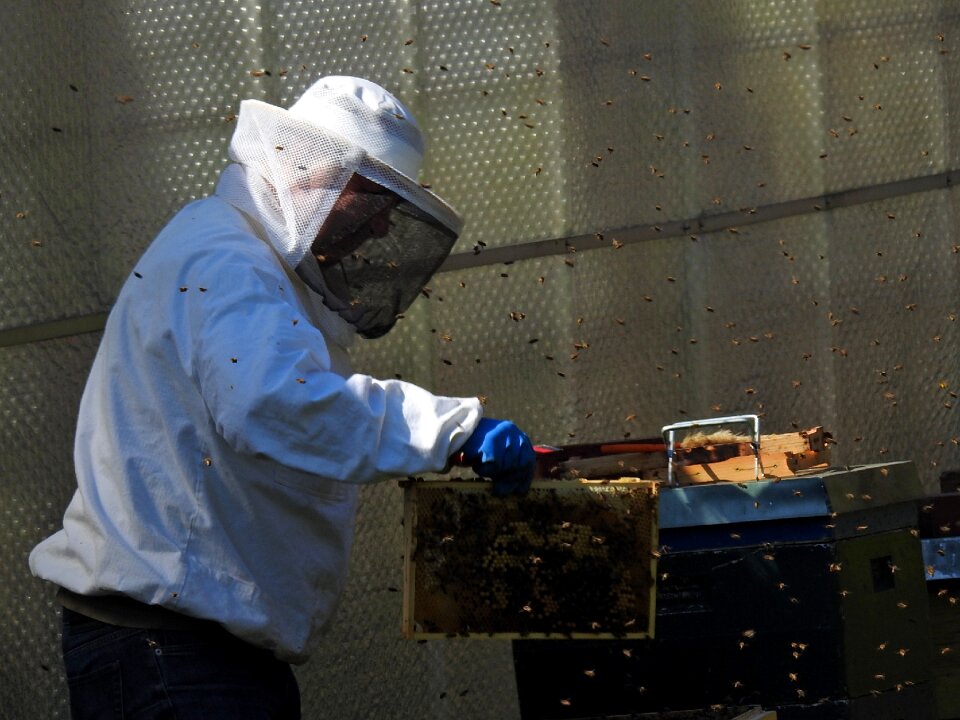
(570, 559)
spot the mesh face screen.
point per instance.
(378, 281)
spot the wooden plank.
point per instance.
(781, 455)
(742, 468)
(813, 439)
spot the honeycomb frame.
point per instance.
(569, 559)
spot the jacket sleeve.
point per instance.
(264, 372)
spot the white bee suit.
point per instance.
(222, 435)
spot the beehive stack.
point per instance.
(805, 595)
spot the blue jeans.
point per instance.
(204, 673)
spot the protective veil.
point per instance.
(290, 167)
(222, 435)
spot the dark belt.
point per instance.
(127, 612)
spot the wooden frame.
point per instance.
(570, 559)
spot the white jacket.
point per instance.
(222, 437)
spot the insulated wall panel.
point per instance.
(40, 387)
(947, 34)
(754, 95)
(493, 99)
(48, 268)
(631, 139)
(152, 174)
(303, 41)
(883, 104)
(894, 309)
(164, 82)
(753, 336)
(682, 109)
(505, 332)
(724, 324)
(632, 368)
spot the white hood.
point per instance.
(290, 166)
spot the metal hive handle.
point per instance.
(668, 432)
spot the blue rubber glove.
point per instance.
(499, 450)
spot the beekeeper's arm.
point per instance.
(265, 374)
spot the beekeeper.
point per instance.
(222, 436)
